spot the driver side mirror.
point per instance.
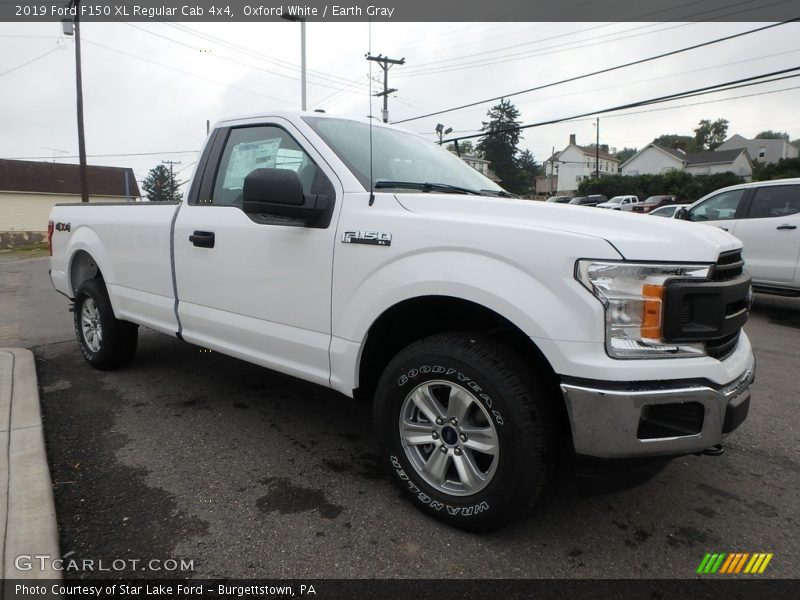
(279, 192)
(682, 214)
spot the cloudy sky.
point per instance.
(149, 88)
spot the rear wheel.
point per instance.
(468, 431)
(105, 341)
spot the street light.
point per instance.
(441, 131)
(302, 56)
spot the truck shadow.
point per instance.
(331, 433)
(778, 310)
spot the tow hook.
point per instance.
(715, 450)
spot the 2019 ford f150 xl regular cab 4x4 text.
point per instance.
(484, 329)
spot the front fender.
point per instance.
(544, 301)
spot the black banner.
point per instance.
(735, 588)
(401, 10)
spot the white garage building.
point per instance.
(28, 190)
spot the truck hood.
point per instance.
(635, 236)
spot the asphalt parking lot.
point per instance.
(249, 473)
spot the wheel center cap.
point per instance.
(449, 435)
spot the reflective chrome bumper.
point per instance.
(607, 423)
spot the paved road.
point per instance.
(253, 474)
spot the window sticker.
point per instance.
(248, 156)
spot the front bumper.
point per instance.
(654, 418)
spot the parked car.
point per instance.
(765, 215)
(487, 333)
(653, 202)
(592, 200)
(668, 211)
(619, 202)
(559, 199)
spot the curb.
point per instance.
(27, 511)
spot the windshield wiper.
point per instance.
(425, 187)
(500, 193)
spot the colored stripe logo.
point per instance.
(734, 563)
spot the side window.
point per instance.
(721, 207)
(262, 147)
(775, 201)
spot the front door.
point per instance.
(770, 233)
(257, 289)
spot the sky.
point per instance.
(149, 88)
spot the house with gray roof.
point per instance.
(763, 151)
(654, 160)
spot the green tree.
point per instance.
(684, 186)
(464, 147)
(528, 169)
(499, 145)
(772, 135)
(784, 168)
(160, 185)
(625, 154)
(676, 141)
(710, 134)
(795, 143)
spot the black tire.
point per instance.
(503, 389)
(116, 345)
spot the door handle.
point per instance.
(202, 239)
(787, 227)
(723, 228)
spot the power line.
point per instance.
(229, 59)
(649, 79)
(676, 96)
(236, 48)
(153, 62)
(284, 64)
(592, 74)
(31, 61)
(503, 59)
(108, 155)
(546, 17)
(640, 112)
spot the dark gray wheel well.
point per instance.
(81, 268)
(418, 318)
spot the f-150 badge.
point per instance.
(375, 238)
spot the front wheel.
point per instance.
(105, 341)
(468, 431)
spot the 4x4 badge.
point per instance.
(375, 238)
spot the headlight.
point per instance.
(633, 296)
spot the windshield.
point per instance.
(577, 199)
(616, 200)
(397, 156)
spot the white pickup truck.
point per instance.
(485, 330)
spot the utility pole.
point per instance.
(79, 88)
(302, 57)
(386, 64)
(597, 150)
(173, 183)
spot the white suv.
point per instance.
(620, 203)
(765, 215)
